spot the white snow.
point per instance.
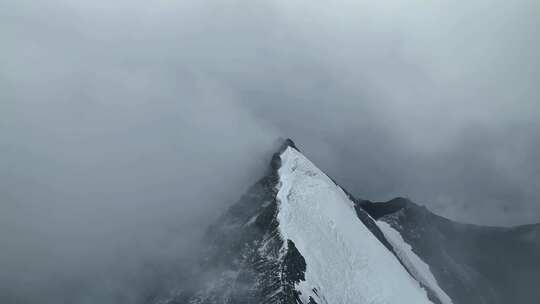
(418, 268)
(346, 264)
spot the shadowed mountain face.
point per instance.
(473, 264)
(246, 261)
(251, 255)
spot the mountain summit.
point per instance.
(296, 237)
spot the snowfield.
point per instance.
(346, 264)
(419, 269)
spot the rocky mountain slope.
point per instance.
(298, 237)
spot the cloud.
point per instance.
(126, 127)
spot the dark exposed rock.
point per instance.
(246, 260)
(378, 210)
(472, 264)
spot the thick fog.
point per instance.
(126, 127)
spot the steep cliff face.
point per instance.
(246, 259)
(296, 237)
(473, 264)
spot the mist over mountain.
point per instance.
(127, 128)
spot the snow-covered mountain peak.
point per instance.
(296, 237)
(345, 262)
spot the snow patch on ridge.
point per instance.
(418, 268)
(346, 264)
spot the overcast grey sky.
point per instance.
(127, 126)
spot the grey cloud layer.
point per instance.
(127, 127)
